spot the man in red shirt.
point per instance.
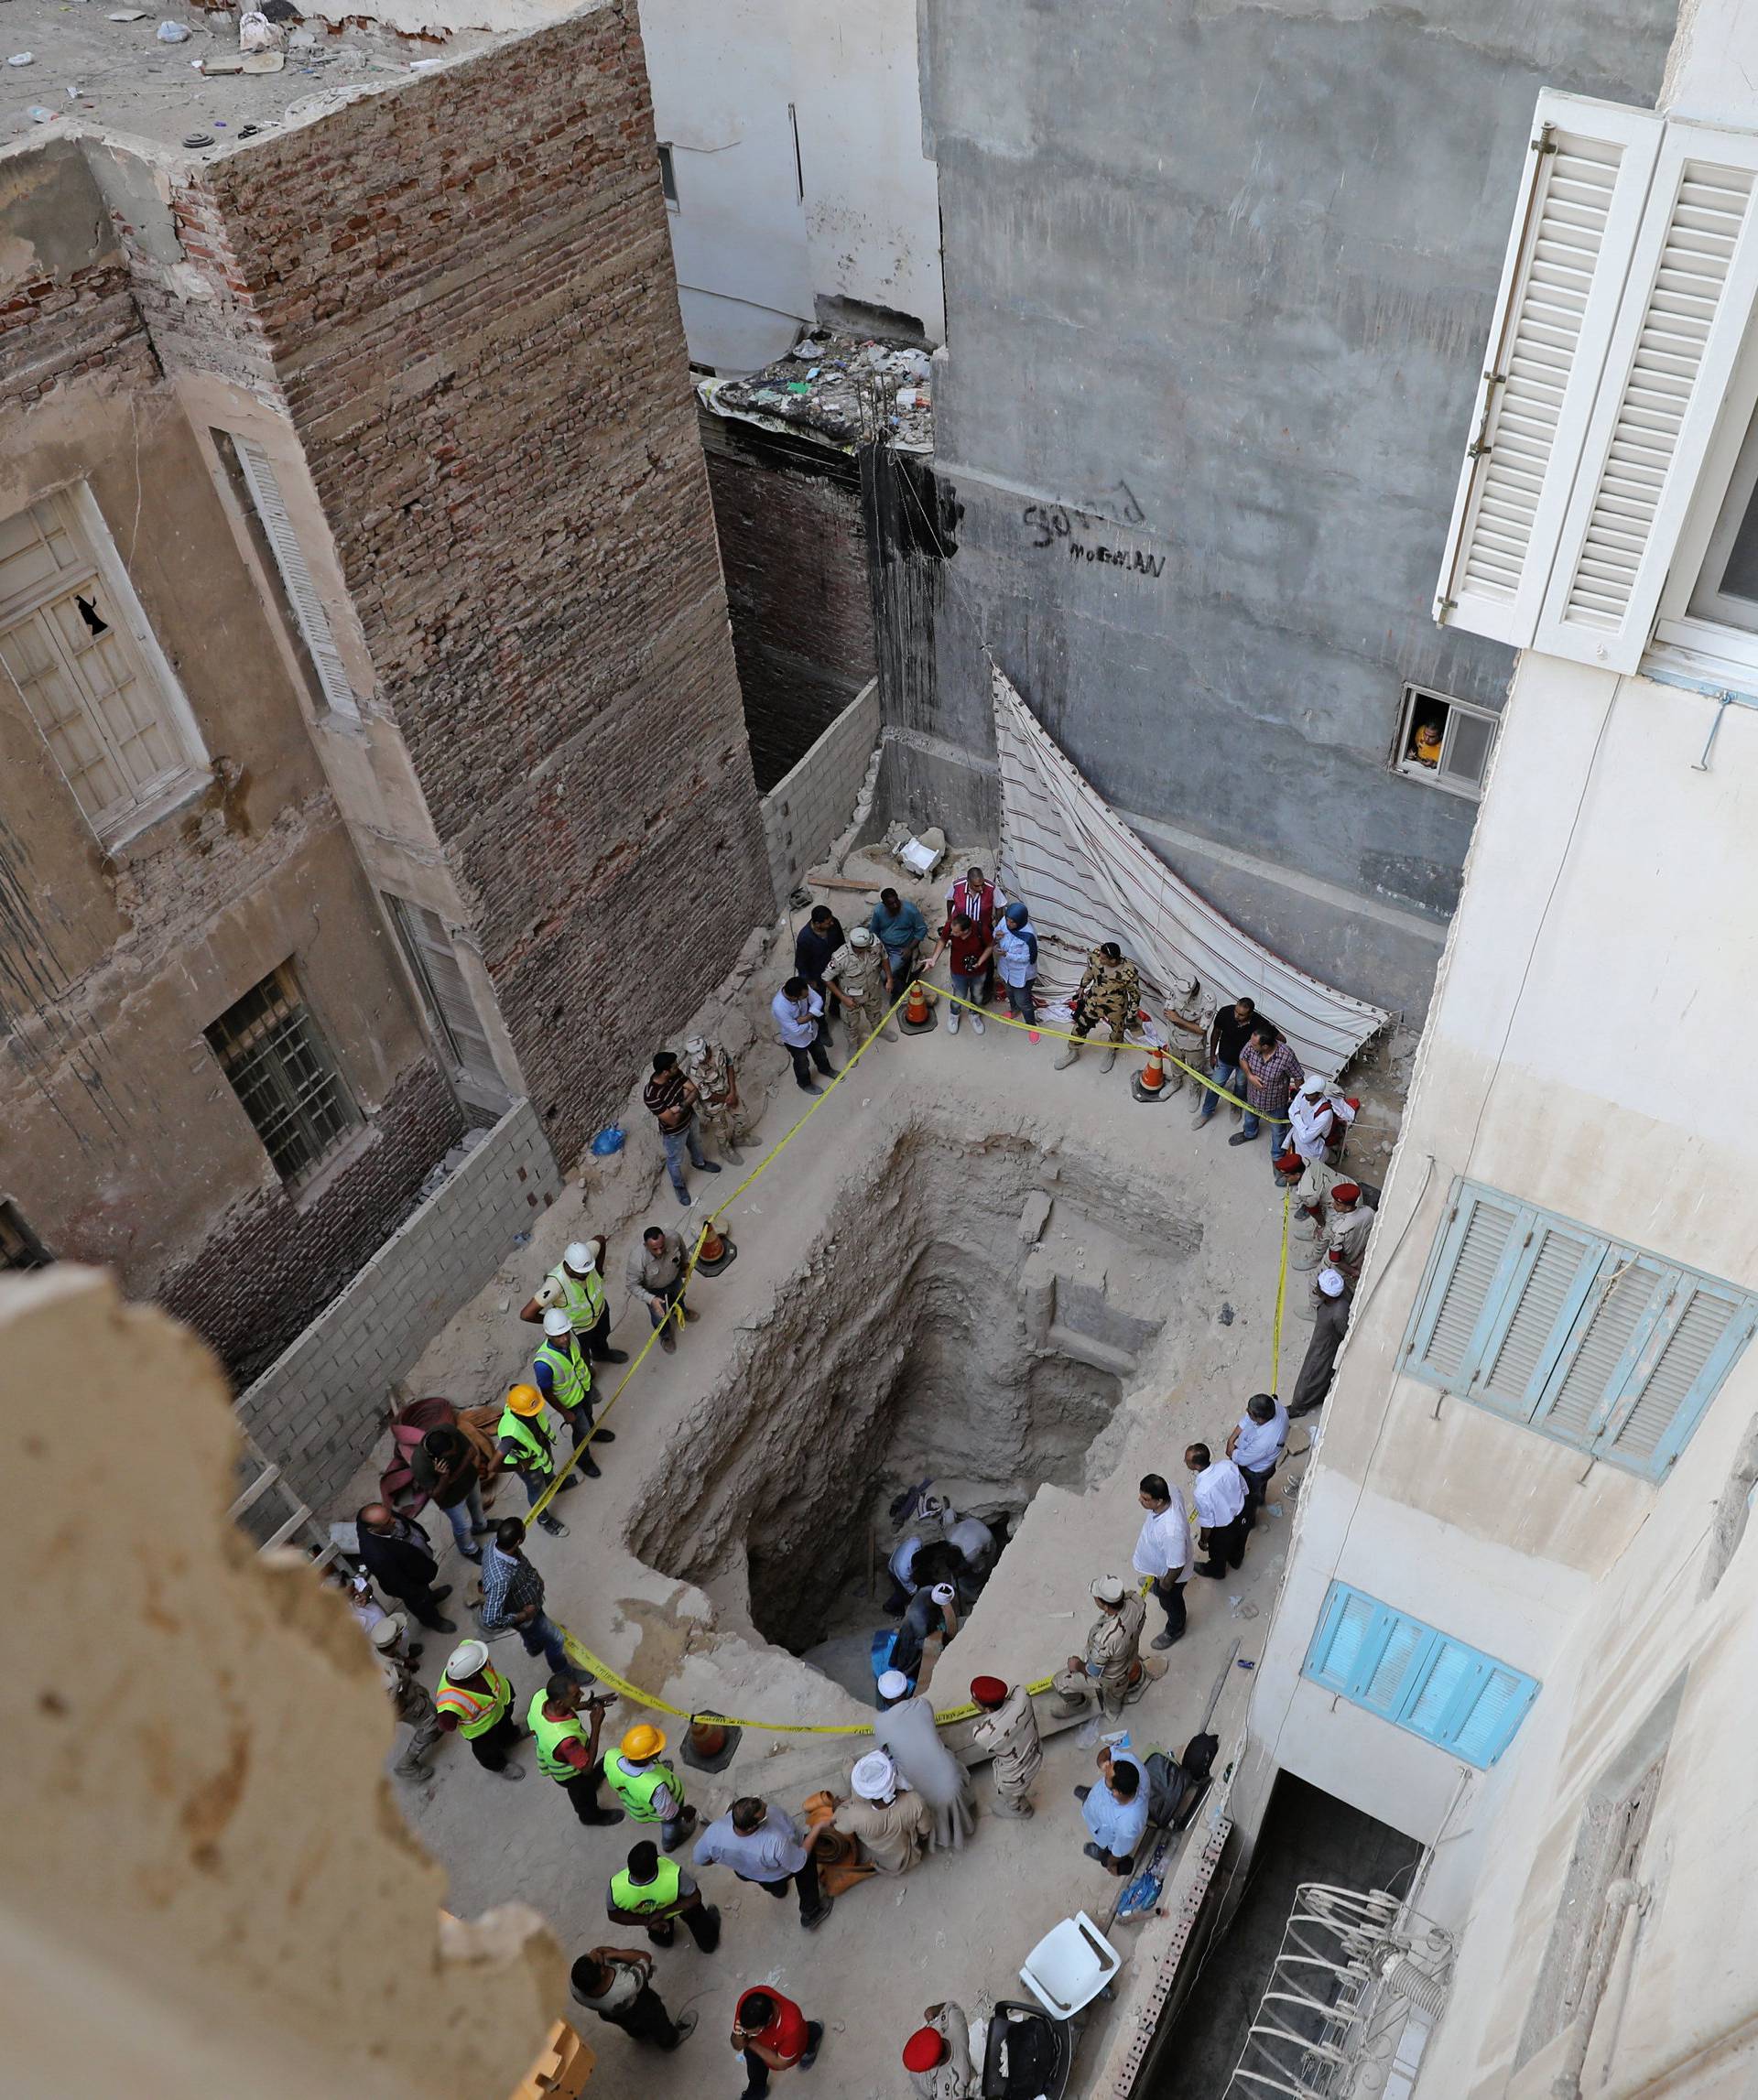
(972, 948)
(982, 902)
(772, 2034)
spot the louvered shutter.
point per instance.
(1693, 1348)
(1445, 1690)
(1407, 1642)
(1547, 1293)
(1497, 1711)
(1465, 1283)
(1596, 1362)
(1576, 219)
(1687, 303)
(1345, 1628)
(295, 577)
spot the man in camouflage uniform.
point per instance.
(856, 973)
(1114, 1648)
(719, 1110)
(1109, 997)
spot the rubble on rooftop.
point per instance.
(852, 390)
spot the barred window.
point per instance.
(279, 1067)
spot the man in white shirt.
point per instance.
(1255, 1447)
(1318, 1117)
(1219, 1493)
(1164, 1553)
(798, 1013)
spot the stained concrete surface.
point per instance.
(1202, 1220)
(1306, 1835)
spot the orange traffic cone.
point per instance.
(716, 1252)
(1149, 1083)
(709, 1742)
(918, 1016)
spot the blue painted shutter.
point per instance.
(1700, 1335)
(1557, 1266)
(1626, 1295)
(1475, 1259)
(1347, 1624)
(1495, 1714)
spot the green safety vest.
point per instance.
(647, 1899)
(582, 1302)
(475, 1714)
(570, 1374)
(530, 1436)
(551, 1737)
(636, 1786)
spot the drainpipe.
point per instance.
(1621, 1897)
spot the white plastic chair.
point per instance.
(1072, 1964)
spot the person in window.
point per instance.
(1228, 1038)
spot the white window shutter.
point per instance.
(265, 488)
(1575, 227)
(1687, 303)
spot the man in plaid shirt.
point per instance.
(1272, 1072)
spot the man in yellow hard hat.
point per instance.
(522, 1439)
(647, 1787)
(568, 1744)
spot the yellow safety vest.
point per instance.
(570, 1376)
(477, 1712)
(582, 1302)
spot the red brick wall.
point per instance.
(466, 285)
(795, 552)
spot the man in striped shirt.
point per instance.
(671, 1099)
(1272, 1072)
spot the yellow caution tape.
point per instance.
(1281, 1294)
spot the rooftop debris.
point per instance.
(850, 389)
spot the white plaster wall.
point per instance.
(752, 257)
(1582, 1053)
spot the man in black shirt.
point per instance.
(1231, 1032)
(814, 944)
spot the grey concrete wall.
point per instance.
(1218, 279)
(807, 809)
(320, 1407)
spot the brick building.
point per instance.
(370, 709)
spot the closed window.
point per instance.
(1594, 1343)
(668, 178)
(302, 603)
(73, 643)
(1416, 1678)
(1444, 742)
(279, 1067)
(446, 992)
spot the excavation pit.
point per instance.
(970, 1315)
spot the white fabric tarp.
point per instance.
(1088, 878)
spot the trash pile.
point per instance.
(849, 389)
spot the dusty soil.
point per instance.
(872, 1326)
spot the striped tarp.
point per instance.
(1088, 878)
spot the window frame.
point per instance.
(282, 984)
(401, 910)
(1427, 1650)
(1407, 768)
(15, 1232)
(667, 173)
(1578, 1304)
(1685, 638)
(102, 564)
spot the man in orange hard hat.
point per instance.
(522, 1439)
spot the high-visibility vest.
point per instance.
(581, 1300)
(551, 1737)
(531, 1436)
(477, 1711)
(636, 1786)
(570, 1376)
(647, 1899)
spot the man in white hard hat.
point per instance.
(720, 1108)
(857, 970)
(563, 1372)
(476, 1702)
(1112, 1668)
(576, 1285)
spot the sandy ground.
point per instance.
(960, 1925)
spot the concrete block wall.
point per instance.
(320, 1407)
(807, 809)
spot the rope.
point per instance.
(635, 1693)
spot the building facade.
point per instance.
(372, 697)
(1522, 1596)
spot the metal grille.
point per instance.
(270, 1050)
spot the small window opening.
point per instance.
(19, 1246)
(668, 178)
(1445, 741)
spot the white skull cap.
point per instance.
(580, 1259)
(874, 1777)
(1331, 1281)
(697, 1046)
(556, 1322)
(1313, 1083)
(893, 1684)
(1107, 1589)
(943, 1593)
(466, 1660)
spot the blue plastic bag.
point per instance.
(608, 1142)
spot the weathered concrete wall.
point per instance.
(808, 809)
(1218, 282)
(793, 544)
(482, 359)
(206, 1888)
(124, 1144)
(319, 1408)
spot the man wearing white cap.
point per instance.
(576, 1285)
(910, 1736)
(1329, 1324)
(931, 1611)
(719, 1108)
(858, 971)
(1318, 1118)
(1110, 1668)
(890, 1824)
(476, 1701)
(562, 1373)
